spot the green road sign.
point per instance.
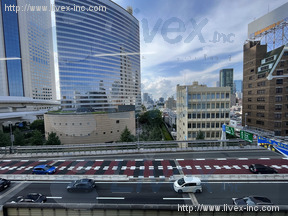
(230, 130)
(246, 136)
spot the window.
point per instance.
(203, 125)
(198, 115)
(189, 125)
(279, 72)
(208, 115)
(203, 115)
(250, 86)
(251, 77)
(213, 105)
(249, 107)
(227, 105)
(217, 95)
(227, 95)
(198, 125)
(261, 91)
(279, 81)
(260, 107)
(278, 107)
(261, 99)
(222, 95)
(194, 125)
(207, 125)
(261, 75)
(277, 116)
(279, 90)
(117, 121)
(212, 125)
(277, 124)
(217, 125)
(208, 105)
(212, 115)
(278, 98)
(260, 122)
(252, 70)
(263, 83)
(217, 105)
(249, 99)
(249, 92)
(260, 115)
(217, 115)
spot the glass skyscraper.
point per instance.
(98, 56)
(26, 53)
(226, 78)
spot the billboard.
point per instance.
(273, 145)
(268, 21)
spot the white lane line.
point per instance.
(118, 159)
(132, 168)
(160, 167)
(198, 167)
(179, 159)
(188, 167)
(54, 197)
(79, 168)
(200, 159)
(29, 168)
(88, 168)
(169, 167)
(158, 159)
(264, 158)
(138, 159)
(276, 166)
(236, 167)
(123, 167)
(217, 167)
(111, 198)
(207, 167)
(151, 167)
(97, 168)
(227, 167)
(80, 160)
(246, 166)
(20, 168)
(99, 160)
(285, 166)
(6, 161)
(150, 177)
(176, 198)
(12, 168)
(115, 168)
(71, 168)
(106, 168)
(142, 167)
(60, 160)
(163, 177)
(62, 168)
(42, 160)
(24, 160)
(221, 159)
(179, 167)
(242, 158)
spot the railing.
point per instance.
(129, 147)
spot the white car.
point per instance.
(188, 184)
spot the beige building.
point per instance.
(86, 128)
(202, 108)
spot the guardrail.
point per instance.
(134, 147)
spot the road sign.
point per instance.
(246, 136)
(230, 130)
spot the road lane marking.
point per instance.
(138, 159)
(198, 167)
(200, 159)
(79, 168)
(20, 168)
(227, 167)
(62, 168)
(168, 198)
(88, 168)
(106, 168)
(123, 167)
(29, 168)
(42, 160)
(54, 197)
(142, 167)
(118, 159)
(80, 160)
(179, 159)
(264, 158)
(6, 160)
(97, 168)
(151, 167)
(24, 160)
(158, 159)
(242, 158)
(236, 167)
(193, 199)
(221, 159)
(12, 168)
(71, 168)
(111, 198)
(207, 167)
(217, 167)
(160, 167)
(99, 160)
(115, 168)
(12, 189)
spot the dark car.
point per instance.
(44, 169)
(252, 200)
(4, 183)
(31, 198)
(82, 185)
(259, 168)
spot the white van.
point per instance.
(188, 184)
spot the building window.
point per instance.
(227, 105)
(260, 107)
(263, 83)
(203, 115)
(260, 115)
(194, 125)
(203, 125)
(189, 125)
(208, 115)
(261, 91)
(277, 124)
(249, 92)
(212, 125)
(249, 106)
(279, 90)
(207, 125)
(260, 122)
(208, 105)
(279, 72)
(217, 115)
(278, 98)
(261, 99)
(104, 132)
(249, 85)
(249, 99)
(198, 125)
(189, 115)
(261, 75)
(117, 121)
(277, 133)
(252, 70)
(278, 107)
(227, 95)
(251, 77)
(279, 81)
(277, 116)
(212, 115)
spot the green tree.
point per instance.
(37, 138)
(126, 136)
(19, 138)
(4, 139)
(38, 125)
(53, 139)
(200, 135)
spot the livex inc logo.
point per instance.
(168, 26)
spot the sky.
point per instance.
(180, 42)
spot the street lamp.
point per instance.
(246, 114)
(11, 136)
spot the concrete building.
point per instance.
(170, 103)
(265, 78)
(99, 56)
(27, 57)
(84, 128)
(202, 108)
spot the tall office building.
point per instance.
(202, 108)
(99, 56)
(226, 78)
(26, 60)
(265, 100)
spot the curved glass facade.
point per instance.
(98, 56)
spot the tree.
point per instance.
(200, 135)
(38, 125)
(53, 139)
(19, 138)
(4, 139)
(126, 136)
(37, 138)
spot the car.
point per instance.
(44, 169)
(82, 185)
(252, 200)
(31, 198)
(4, 183)
(259, 168)
(188, 184)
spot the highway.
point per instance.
(150, 192)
